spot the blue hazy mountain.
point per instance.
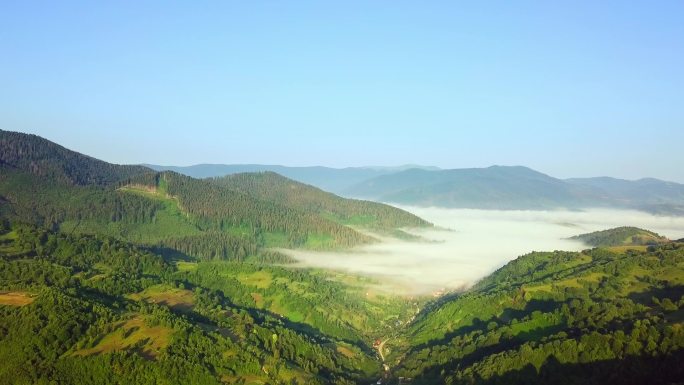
(495, 187)
(330, 179)
(517, 187)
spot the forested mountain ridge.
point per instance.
(197, 282)
(593, 317)
(495, 187)
(217, 208)
(49, 185)
(43, 158)
(621, 236)
(274, 187)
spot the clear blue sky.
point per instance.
(576, 88)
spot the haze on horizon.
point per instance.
(570, 89)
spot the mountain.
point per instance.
(335, 180)
(633, 192)
(274, 187)
(495, 187)
(647, 194)
(516, 187)
(46, 184)
(621, 236)
(124, 275)
(43, 158)
(592, 317)
(118, 274)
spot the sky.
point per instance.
(570, 88)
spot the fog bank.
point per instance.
(476, 243)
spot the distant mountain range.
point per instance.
(495, 187)
(335, 180)
(502, 187)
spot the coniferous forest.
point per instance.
(122, 275)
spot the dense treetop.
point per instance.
(41, 157)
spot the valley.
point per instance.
(466, 245)
(341, 193)
(123, 275)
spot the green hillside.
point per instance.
(41, 157)
(273, 187)
(48, 185)
(621, 236)
(95, 310)
(212, 207)
(547, 317)
(560, 317)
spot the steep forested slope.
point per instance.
(48, 185)
(598, 316)
(216, 208)
(273, 187)
(41, 157)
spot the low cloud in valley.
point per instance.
(474, 243)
